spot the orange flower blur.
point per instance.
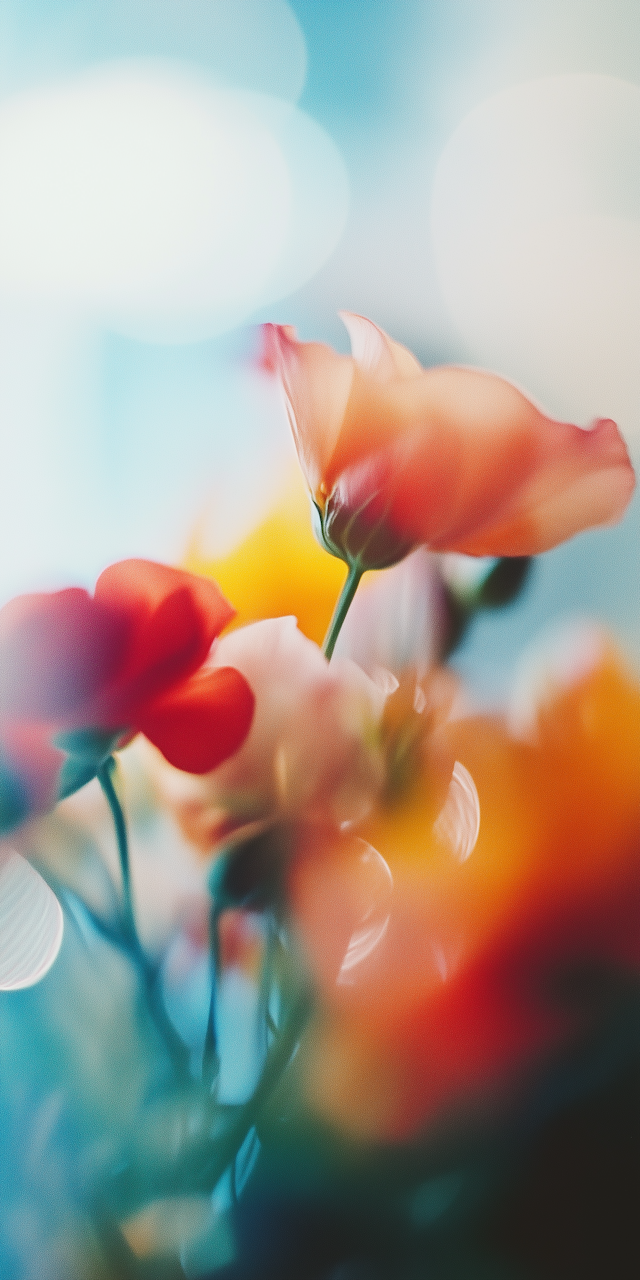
(396, 455)
(463, 971)
(81, 674)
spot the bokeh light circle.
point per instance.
(168, 208)
(536, 229)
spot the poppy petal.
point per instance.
(203, 721)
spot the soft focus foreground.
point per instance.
(350, 970)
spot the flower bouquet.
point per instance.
(349, 985)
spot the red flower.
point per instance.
(81, 674)
(396, 455)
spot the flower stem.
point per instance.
(276, 1062)
(149, 972)
(342, 608)
(210, 1060)
(105, 779)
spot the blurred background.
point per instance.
(172, 173)
(464, 172)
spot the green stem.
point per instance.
(128, 918)
(149, 972)
(342, 608)
(210, 1060)
(248, 1115)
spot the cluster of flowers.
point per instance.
(441, 875)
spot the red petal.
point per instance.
(143, 585)
(176, 616)
(205, 720)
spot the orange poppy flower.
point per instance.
(396, 455)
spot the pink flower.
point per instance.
(313, 747)
(396, 455)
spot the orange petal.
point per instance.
(468, 464)
(317, 383)
(455, 458)
(375, 352)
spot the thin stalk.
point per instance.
(128, 918)
(248, 1115)
(342, 608)
(210, 1061)
(149, 972)
(266, 986)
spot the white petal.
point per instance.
(31, 924)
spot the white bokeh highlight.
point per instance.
(458, 823)
(31, 924)
(375, 921)
(168, 208)
(536, 230)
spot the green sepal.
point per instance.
(74, 774)
(89, 744)
(86, 750)
(361, 537)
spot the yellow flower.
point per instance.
(279, 569)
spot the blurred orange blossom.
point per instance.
(467, 969)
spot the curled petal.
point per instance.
(142, 586)
(312, 743)
(375, 352)
(203, 721)
(312, 746)
(174, 618)
(316, 382)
